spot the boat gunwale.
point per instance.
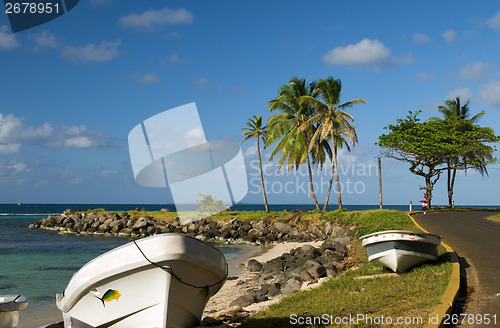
(418, 233)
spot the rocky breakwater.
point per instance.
(233, 231)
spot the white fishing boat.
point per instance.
(160, 281)
(10, 305)
(401, 250)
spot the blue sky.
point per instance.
(72, 89)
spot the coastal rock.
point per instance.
(242, 301)
(275, 265)
(315, 269)
(254, 265)
(306, 276)
(317, 232)
(292, 285)
(285, 228)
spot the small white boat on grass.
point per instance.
(10, 305)
(401, 250)
(160, 281)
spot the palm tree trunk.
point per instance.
(262, 178)
(339, 197)
(330, 183)
(311, 183)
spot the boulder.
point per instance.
(317, 270)
(274, 265)
(285, 228)
(317, 232)
(254, 265)
(306, 276)
(140, 223)
(291, 286)
(244, 300)
(331, 271)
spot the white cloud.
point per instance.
(194, 136)
(149, 78)
(13, 134)
(366, 52)
(11, 148)
(154, 18)
(450, 36)
(7, 40)
(421, 38)
(12, 168)
(204, 85)
(108, 172)
(240, 89)
(250, 151)
(44, 40)
(92, 53)
(464, 94)
(424, 76)
(490, 93)
(474, 71)
(494, 22)
(172, 35)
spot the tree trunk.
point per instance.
(428, 190)
(329, 183)
(339, 197)
(311, 183)
(452, 185)
(262, 178)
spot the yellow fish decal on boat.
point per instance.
(109, 295)
(204, 291)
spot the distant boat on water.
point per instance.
(19, 204)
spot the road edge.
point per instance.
(450, 295)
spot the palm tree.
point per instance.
(295, 144)
(333, 124)
(452, 110)
(256, 130)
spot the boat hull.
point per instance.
(140, 293)
(401, 250)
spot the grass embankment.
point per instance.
(495, 218)
(408, 295)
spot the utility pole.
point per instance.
(380, 181)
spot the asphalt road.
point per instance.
(476, 239)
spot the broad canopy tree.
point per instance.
(453, 110)
(427, 146)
